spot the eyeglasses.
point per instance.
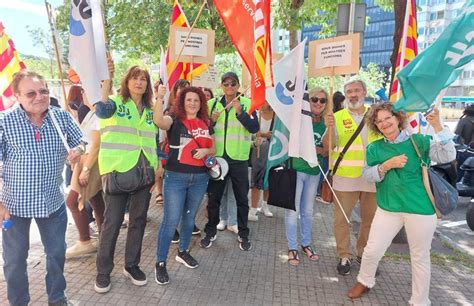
(229, 84)
(379, 122)
(320, 100)
(32, 94)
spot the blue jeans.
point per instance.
(182, 195)
(228, 210)
(306, 187)
(16, 243)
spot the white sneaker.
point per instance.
(221, 225)
(233, 228)
(253, 214)
(266, 211)
(82, 248)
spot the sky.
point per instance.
(17, 14)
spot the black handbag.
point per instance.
(282, 187)
(139, 177)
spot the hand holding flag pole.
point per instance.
(175, 63)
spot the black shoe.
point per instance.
(244, 244)
(196, 230)
(175, 237)
(186, 259)
(102, 283)
(136, 275)
(206, 242)
(358, 260)
(161, 274)
(344, 266)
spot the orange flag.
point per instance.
(10, 63)
(408, 46)
(248, 25)
(182, 70)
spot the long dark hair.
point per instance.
(135, 71)
(178, 109)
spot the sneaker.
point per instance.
(265, 210)
(206, 242)
(186, 259)
(82, 248)
(244, 244)
(102, 283)
(196, 230)
(161, 274)
(344, 266)
(136, 275)
(93, 230)
(233, 228)
(221, 225)
(175, 237)
(253, 214)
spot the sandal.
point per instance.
(159, 199)
(293, 257)
(308, 250)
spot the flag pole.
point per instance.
(56, 49)
(330, 107)
(404, 43)
(175, 63)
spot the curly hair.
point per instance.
(135, 71)
(178, 108)
(371, 116)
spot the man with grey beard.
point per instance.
(349, 185)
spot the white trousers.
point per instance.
(420, 230)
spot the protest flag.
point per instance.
(180, 70)
(289, 99)
(87, 48)
(10, 63)
(278, 151)
(438, 66)
(248, 25)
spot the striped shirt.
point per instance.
(33, 161)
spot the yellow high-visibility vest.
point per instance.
(124, 136)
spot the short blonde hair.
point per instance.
(23, 74)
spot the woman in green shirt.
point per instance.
(392, 163)
(307, 181)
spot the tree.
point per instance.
(138, 28)
(43, 39)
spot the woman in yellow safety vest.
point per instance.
(127, 159)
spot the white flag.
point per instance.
(289, 100)
(87, 51)
(164, 76)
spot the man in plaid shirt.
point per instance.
(33, 158)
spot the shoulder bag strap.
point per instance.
(348, 144)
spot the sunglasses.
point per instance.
(32, 94)
(320, 100)
(229, 84)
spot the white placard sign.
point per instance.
(334, 54)
(207, 79)
(196, 45)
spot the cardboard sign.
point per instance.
(207, 79)
(246, 74)
(199, 47)
(334, 56)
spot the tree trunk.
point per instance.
(399, 7)
(293, 39)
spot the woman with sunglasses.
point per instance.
(307, 181)
(186, 178)
(394, 165)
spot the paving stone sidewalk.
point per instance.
(229, 276)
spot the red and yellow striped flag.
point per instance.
(408, 46)
(182, 70)
(10, 63)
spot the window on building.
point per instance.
(421, 31)
(465, 74)
(440, 15)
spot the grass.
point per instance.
(441, 259)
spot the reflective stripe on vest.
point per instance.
(237, 139)
(354, 159)
(124, 136)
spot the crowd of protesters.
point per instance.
(118, 156)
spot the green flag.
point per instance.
(278, 151)
(437, 67)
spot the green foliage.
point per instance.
(45, 67)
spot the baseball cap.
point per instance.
(230, 75)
